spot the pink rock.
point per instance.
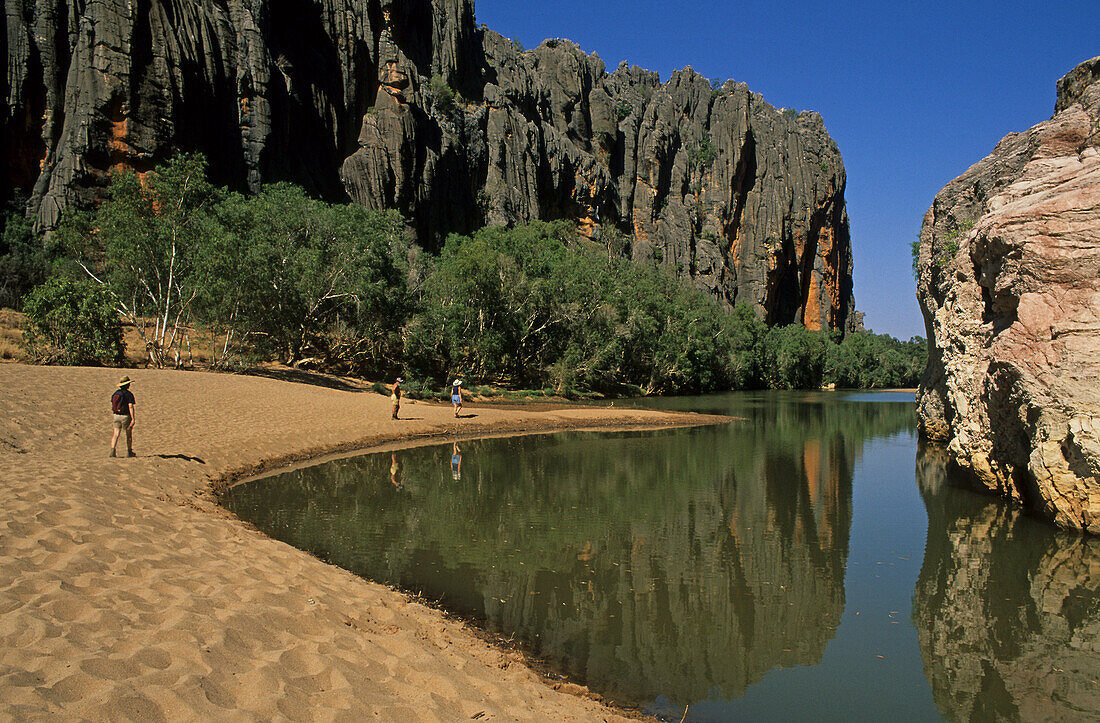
(1009, 284)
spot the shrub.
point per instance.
(72, 322)
(443, 97)
(702, 154)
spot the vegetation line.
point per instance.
(281, 276)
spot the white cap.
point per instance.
(457, 383)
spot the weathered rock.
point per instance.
(1009, 284)
(411, 106)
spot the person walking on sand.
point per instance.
(395, 396)
(456, 395)
(122, 407)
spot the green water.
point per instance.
(809, 562)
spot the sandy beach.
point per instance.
(126, 593)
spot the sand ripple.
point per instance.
(127, 594)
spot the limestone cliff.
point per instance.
(1009, 284)
(410, 105)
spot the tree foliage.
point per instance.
(280, 275)
(284, 274)
(145, 244)
(72, 322)
(865, 360)
(528, 306)
(301, 272)
(23, 258)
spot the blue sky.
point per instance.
(913, 93)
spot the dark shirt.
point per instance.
(123, 404)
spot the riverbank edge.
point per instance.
(52, 454)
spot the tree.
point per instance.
(23, 258)
(307, 271)
(144, 243)
(72, 322)
(746, 338)
(443, 97)
(794, 357)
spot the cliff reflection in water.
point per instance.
(1007, 608)
(682, 564)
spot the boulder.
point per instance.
(1009, 285)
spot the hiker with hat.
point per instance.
(122, 407)
(456, 395)
(395, 396)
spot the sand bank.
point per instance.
(127, 593)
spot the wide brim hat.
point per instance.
(457, 383)
(125, 381)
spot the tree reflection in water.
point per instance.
(1007, 609)
(680, 564)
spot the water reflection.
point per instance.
(395, 471)
(679, 565)
(456, 462)
(1007, 609)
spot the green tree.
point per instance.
(794, 357)
(72, 322)
(443, 96)
(864, 360)
(23, 258)
(535, 306)
(306, 272)
(746, 338)
(144, 243)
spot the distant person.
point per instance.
(456, 395)
(456, 462)
(122, 407)
(395, 396)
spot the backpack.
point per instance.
(118, 403)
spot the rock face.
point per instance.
(1009, 284)
(410, 105)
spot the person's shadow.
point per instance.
(465, 416)
(185, 457)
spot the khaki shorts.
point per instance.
(122, 421)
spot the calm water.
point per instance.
(810, 562)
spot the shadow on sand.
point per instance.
(300, 376)
(200, 460)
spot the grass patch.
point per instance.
(10, 351)
(11, 335)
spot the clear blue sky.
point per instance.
(913, 93)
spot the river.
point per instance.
(813, 560)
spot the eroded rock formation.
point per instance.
(410, 105)
(1009, 284)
